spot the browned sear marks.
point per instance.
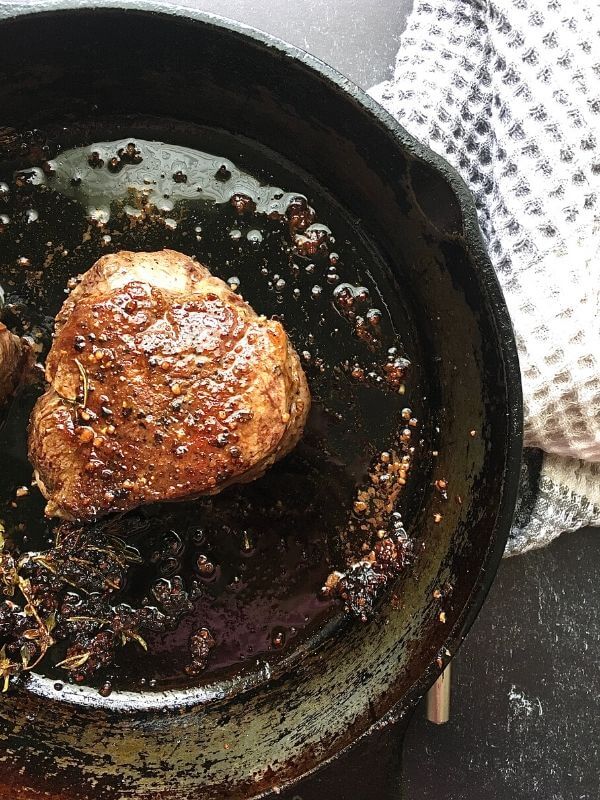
(163, 384)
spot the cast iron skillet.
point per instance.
(242, 739)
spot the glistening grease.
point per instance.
(240, 575)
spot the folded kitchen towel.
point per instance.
(508, 91)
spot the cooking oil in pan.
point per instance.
(257, 556)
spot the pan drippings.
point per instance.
(265, 565)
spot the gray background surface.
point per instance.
(358, 37)
(526, 711)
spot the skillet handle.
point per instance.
(438, 698)
(370, 770)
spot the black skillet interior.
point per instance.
(197, 81)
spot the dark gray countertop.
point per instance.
(525, 719)
(526, 715)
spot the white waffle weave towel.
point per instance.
(508, 91)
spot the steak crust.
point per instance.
(163, 385)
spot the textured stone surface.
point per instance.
(525, 723)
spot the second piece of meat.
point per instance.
(163, 385)
(16, 359)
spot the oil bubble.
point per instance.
(95, 160)
(171, 223)
(31, 215)
(234, 283)
(205, 567)
(132, 212)
(235, 234)
(34, 176)
(4, 189)
(165, 205)
(198, 535)
(99, 215)
(319, 229)
(278, 638)
(254, 237)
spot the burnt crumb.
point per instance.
(115, 164)
(13, 622)
(89, 655)
(376, 532)
(201, 643)
(171, 597)
(278, 638)
(313, 241)
(95, 161)
(359, 588)
(77, 558)
(222, 174)
(48, 169)
(130, 154)
(242, 203)
(180, 177)
(70, 593)
(390, 556)
(442, 486)
(299, 215)
(395, 370)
